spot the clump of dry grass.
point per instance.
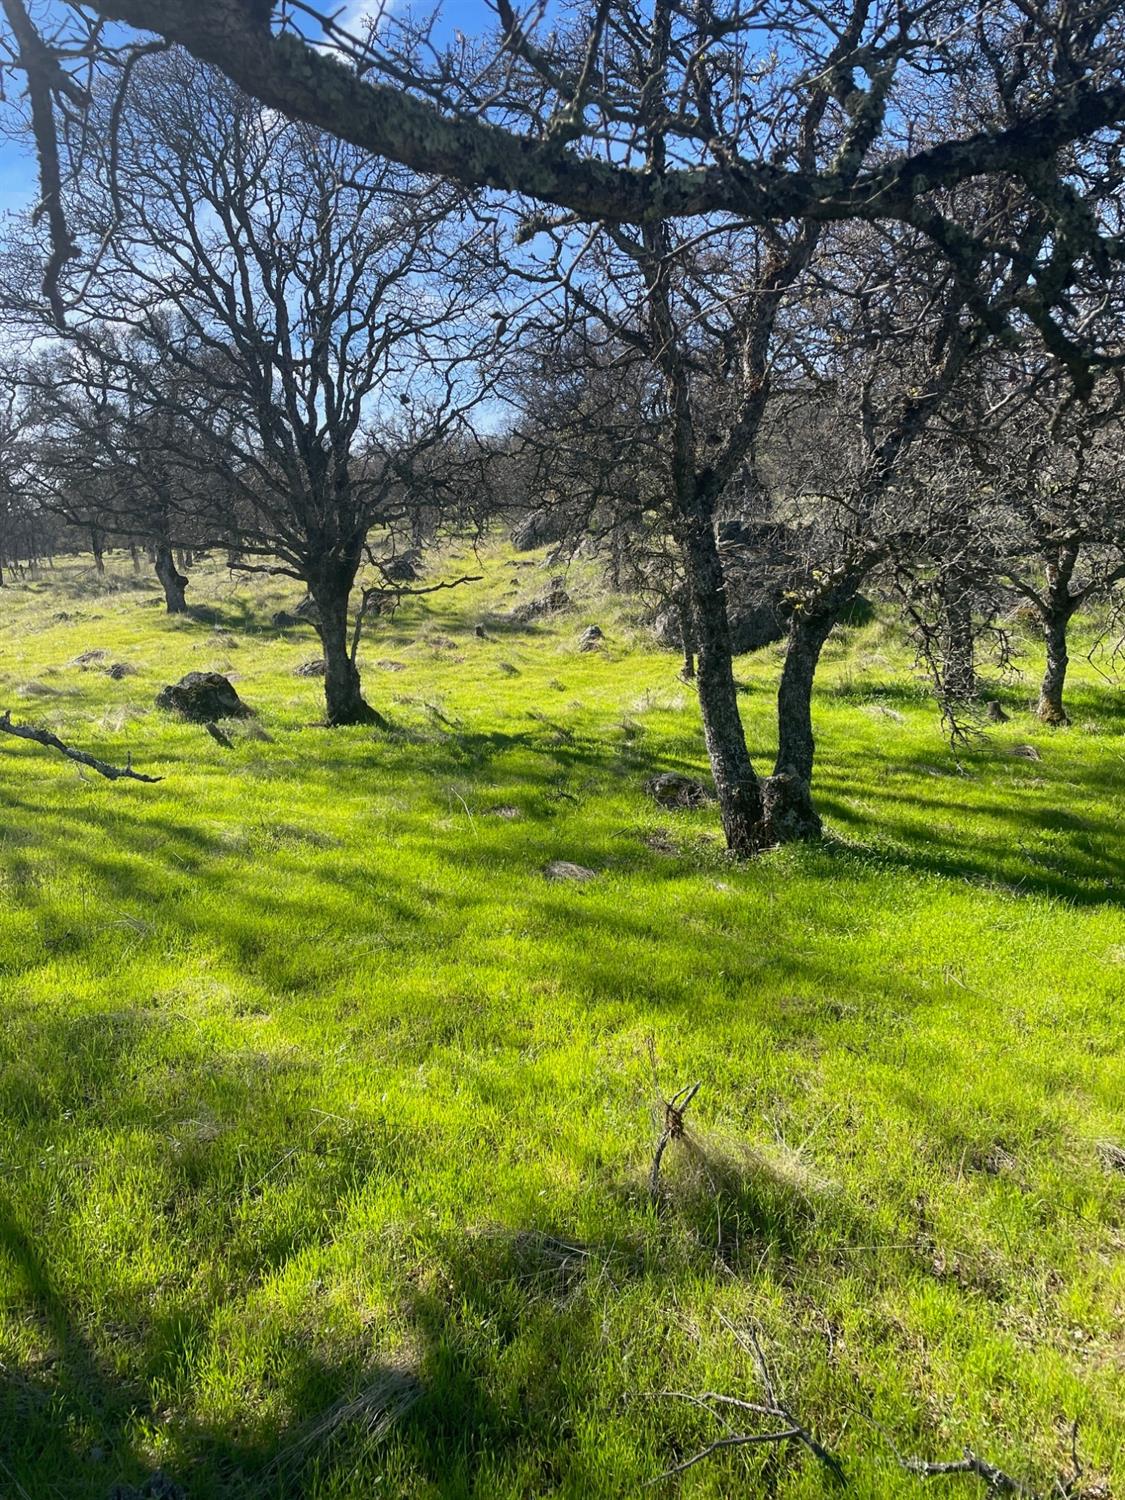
(370, 1413)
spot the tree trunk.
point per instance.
(343, 691)
(687, 640)
(97, 549)
(1051, 709)
(958, 646)
(1056, 607)
(173, 581)
(736, 785)
(135, 555)
(789, 814)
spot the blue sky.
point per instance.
(17, 161)
(17, 173)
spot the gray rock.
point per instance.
(404, 568)
(753, 624)
(994, 712)
(541, 528)
(759, 560)
(590, 639)
(120, 669)
(671, 789)
(314, 668)
(306, 613)
(203, 697)
(552, 601)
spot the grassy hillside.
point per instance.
(326, 1118)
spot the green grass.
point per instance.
(325, 1119)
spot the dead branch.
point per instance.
(773, 1407)
(52, 742)
(972, 1463)
(736, 1440)
(674, 1111)
(220, 735)
(1069, 1487)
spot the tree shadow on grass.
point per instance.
(57, 1418)
(504, 1361)
(1031, 845)
(491, 1355)
(489, 1365)
(74, 1425)
(240, 615)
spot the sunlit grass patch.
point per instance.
(326, 1118)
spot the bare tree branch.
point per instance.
(52, 742)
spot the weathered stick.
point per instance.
(220, 735)
(52, 742)
(773, 1407)
(674, 1110)
(973, 1464)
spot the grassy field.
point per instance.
(326, 1119)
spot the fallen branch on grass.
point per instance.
(220, 735)
(972, 1463)
(974, 1466)
(52, 742)
(773, 1407)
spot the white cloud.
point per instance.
(358, 17)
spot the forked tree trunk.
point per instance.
(173, 582)
(1051, 708)
(343, 692)
(736, 785)
(789, 814)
